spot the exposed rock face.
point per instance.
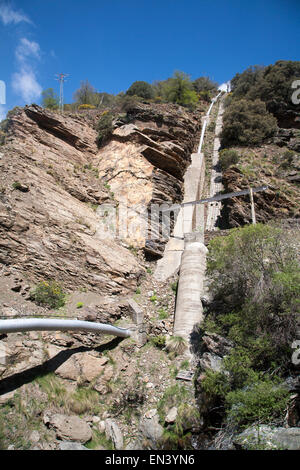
(289, 138)
(53, 177)
(269, 438)
(217, 344)
(50, 230)
(145, 161)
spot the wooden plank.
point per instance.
(185, 375)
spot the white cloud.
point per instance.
(8, 15)
(24, 83)
(27, 49)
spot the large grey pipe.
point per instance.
(45, 324)
(189, 309)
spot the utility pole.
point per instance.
(61, 78)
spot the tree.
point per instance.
(242, 83)
(50, 99)
(247, 123)
(179, 90)
(142, 89)
(86, 94)
(204, 84)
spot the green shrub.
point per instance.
(227, 158)
(79, 305)
(105, 127)
(141, 89)
(174, 286)
(158, 341)
(49, 294)
(287, 158)
(215, 384)
(162, 313)
(262, 402)
(271, 84)
(153, 297)
(247, 123)
(255, 278)
(255, 284)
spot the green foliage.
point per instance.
(255, 282)
(153, 297)
(99, 441)
(215, 384)
(262, 402)
(179, 90)
(227, 158)
(271, 84)
(242, 83)
(158, 341)
(53, 387)
(17, 185)
(204, 84)
(173, 396)
(141, 89)
(247, 123)
(105, 127)
(49, 294)
(79, 305)
(255, 274)
(287, 158)
(174, 286)
(50, 99)
(162, 313)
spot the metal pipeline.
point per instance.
(205, 122)
(45, 324)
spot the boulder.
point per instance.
(171, 415)
(217, 344)
(91, 366)
(70, 428)
(151, 429)
(211, 361)
(112, 431)
(268, 438)
(66, 445)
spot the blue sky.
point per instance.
(115, 42)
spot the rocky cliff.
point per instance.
(54, 177)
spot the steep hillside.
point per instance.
(261, 123)
(69, 389)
